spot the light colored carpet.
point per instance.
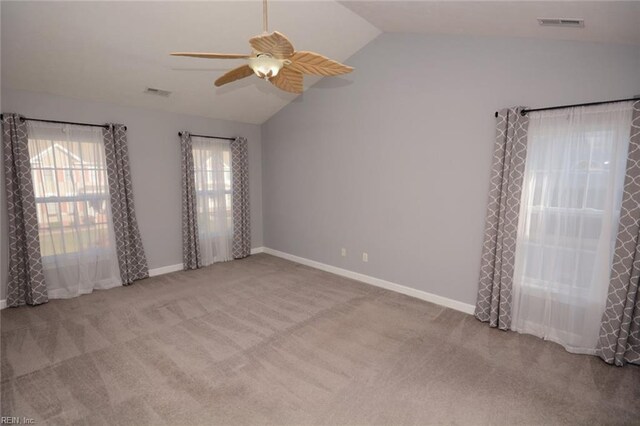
(266, 341)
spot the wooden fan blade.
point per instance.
(288, 80)
(211, 55)
(276, 44)
(315, 64)
(234, 74)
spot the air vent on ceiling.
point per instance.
(561, 22)
(157, 92)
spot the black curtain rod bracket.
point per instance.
(104, 126)
(209, 137)
(525, 111)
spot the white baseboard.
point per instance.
(419, 294)
(165, 270)
(179, 266)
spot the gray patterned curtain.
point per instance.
(240, 188)
(26, 280)
(498, 252)
(190, 240)
(620, 330)
(131, 258)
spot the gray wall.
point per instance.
(394, 159)
(154, 152)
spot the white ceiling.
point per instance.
(605, 21)
(111, 51)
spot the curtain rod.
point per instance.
(525, 111)
(63, 122)
(209, 137)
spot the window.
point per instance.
(566, 211)
(212, 168)
(571, 198)
(69, 174)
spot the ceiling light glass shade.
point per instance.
(265, 66)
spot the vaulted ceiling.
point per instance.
(112, 51)
(608, 21)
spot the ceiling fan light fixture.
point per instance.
(266, 66)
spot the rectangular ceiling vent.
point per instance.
(157, 92)
(561, 22)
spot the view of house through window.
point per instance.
(69, 174)
(71, 193)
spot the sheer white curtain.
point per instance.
(212, 168)
(572, 192)
(74, 213)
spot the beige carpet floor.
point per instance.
(266, 341)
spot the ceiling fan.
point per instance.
(274, 59)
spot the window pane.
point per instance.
(71, 188)
(212, 173)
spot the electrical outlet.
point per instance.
(365, 257)
(344, 252)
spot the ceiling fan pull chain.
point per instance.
(265, 17)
